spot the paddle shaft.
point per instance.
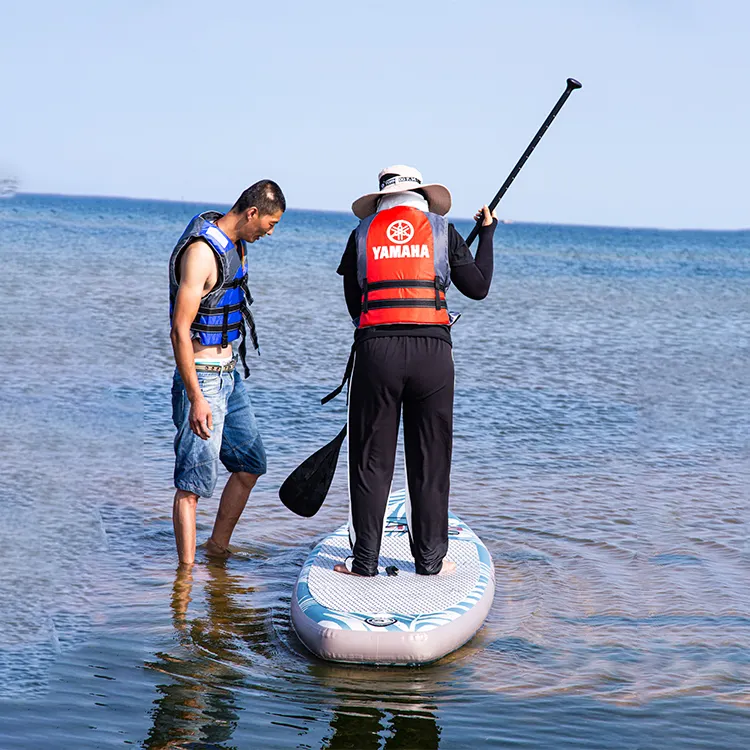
(572, 85)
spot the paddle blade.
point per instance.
(305, 489)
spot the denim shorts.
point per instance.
(235, 440)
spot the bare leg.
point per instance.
(183, 519)
(233, 501)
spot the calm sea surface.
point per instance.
(602, 452)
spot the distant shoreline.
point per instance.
(509, 222)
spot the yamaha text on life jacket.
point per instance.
(402, 267)
(225, 310)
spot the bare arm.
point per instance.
(197, 268)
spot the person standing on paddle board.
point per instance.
(209, 307)
(397, 266)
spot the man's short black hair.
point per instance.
(265, 195)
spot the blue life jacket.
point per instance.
(224, 313)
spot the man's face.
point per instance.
(257, 226)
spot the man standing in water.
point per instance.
(209, 304)
(396, 267)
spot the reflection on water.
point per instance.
(366, 728)
(199, 703)
(601, 452)
(213, 660)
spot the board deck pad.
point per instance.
(401, 619)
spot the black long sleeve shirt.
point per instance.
(471, 275)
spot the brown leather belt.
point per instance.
(228, 367)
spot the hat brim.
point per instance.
(438, 198)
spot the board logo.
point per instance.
(381, 622)
(400, 231)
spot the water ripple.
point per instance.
(601, 452)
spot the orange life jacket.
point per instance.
(402, 267)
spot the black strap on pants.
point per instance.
(347, 375)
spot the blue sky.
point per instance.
(184, 100)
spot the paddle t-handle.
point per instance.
(571, 85)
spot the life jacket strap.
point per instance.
(245, 326)
(379, 304)
(224, 327)
(374, 286)
(249, 321)
(206, 310)
(205, 328)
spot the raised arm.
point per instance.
(472, 276)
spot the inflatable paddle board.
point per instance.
(392, 619)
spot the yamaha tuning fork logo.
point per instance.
(399, 232)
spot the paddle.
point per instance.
(305, 489)
(571, 86)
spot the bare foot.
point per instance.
(214, 549)
(341, 568)
(447, 568)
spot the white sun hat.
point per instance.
(397, 179)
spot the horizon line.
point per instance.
(505, 222)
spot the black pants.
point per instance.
(390, 374)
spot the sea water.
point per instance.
(601, 452)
